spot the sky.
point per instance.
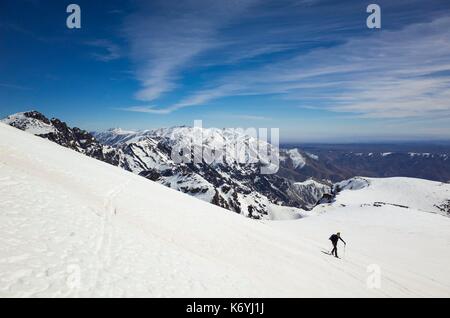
(309, 67)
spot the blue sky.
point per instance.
(309, 67)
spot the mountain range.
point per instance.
(305, 178)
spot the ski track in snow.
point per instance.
(106, 236)
(71, 226)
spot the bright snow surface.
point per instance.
(73, 226)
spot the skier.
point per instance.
(334, 239)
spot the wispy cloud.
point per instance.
(163, 45)
(197, 99)
(251, 117)
(391, 74)
(384, 74)
(13, 86)
(108, 51)
(147, 109)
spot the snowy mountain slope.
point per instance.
(116, 136)
(235, 185)
(74, 226)
(410, 246)
(74, 138)
(412, 193)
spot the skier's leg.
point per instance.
(335, 250)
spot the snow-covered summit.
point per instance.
(30, 121)
(59, 132)
(298, 161)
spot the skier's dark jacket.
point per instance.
(334, 239)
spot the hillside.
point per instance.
(74, 226)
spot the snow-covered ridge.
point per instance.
(30, 122)
(314, 191)
(417, 194)
(59, 132)
(312, 156)
(237, 145)
(428, 155)
(117, 136)
(356, 183)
